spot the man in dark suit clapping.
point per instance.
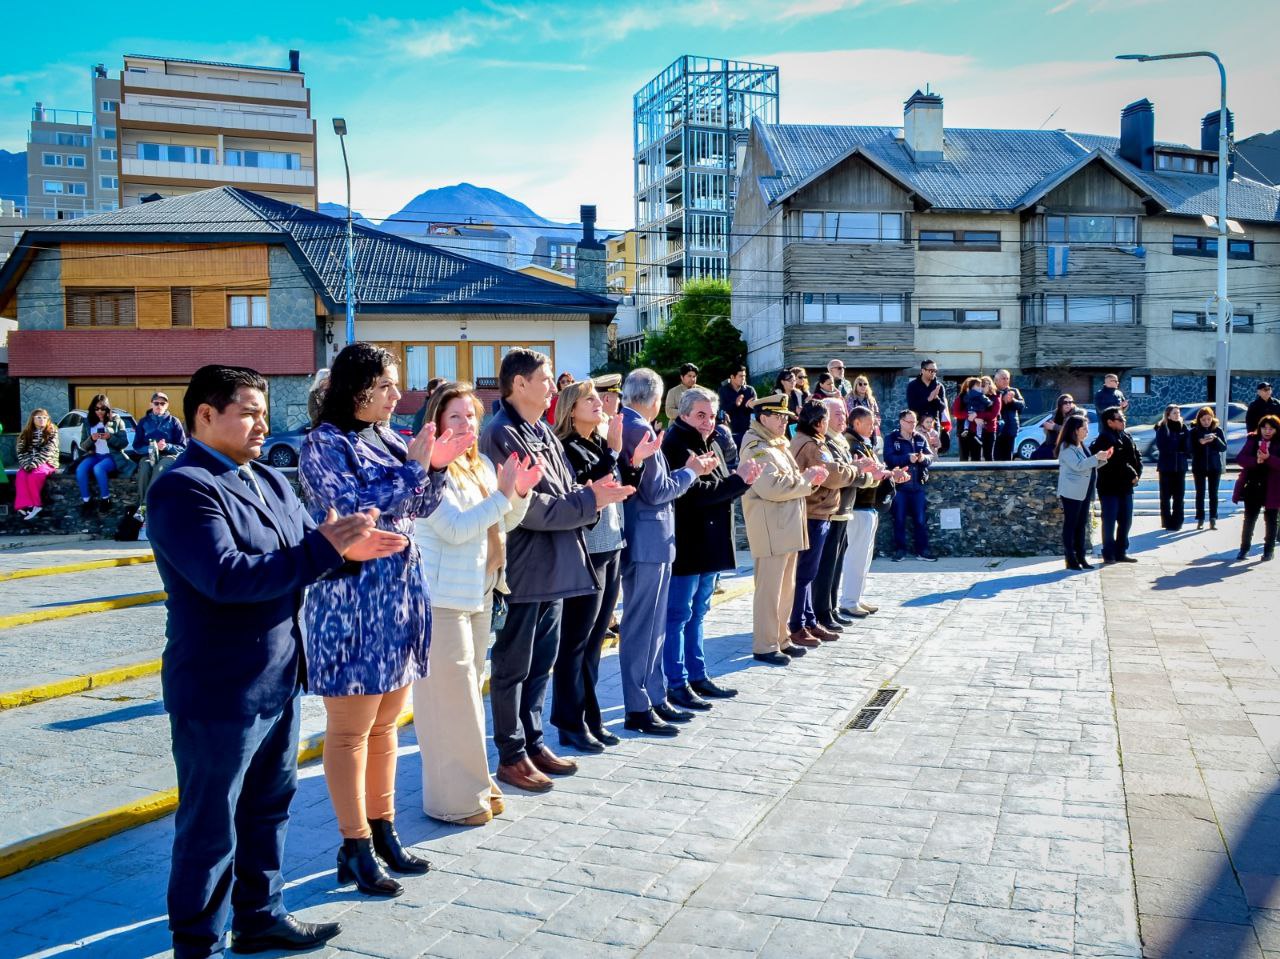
(235, 549)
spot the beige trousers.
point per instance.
(448, 715)
(360, 758)
(775, 582)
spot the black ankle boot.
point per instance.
(358, 864)
(386, 843)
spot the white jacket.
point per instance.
(455, 545)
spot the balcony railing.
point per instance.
(215, 172)
(214, 117)
(230, 89)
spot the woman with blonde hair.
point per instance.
(861, 395)
(592, 441)
(463, 544)
(37, 458)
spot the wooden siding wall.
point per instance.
(852, 185)
(890, 345)
(1097, 271)
(811, 267)
(153, 269)
(1083, 345)
(1095, 189)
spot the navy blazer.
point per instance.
(647, 515)
(235, 569)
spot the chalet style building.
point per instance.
(1059, 256)
(137, 299)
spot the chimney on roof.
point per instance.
(38, 113)
(1138, 134)
(588, 216)
(922, 127)
(100, 71)
(1209, 137)
(294, 61)
(588, 269)
(150, 198)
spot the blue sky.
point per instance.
(534, 99)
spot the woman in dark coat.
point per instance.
(1258, 487)
(1206, 445)
(1171, 465)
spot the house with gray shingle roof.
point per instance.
(142, 296)
(1057, 255)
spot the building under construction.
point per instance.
(688, 122)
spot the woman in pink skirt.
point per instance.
(37, 458)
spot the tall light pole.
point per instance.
(340, 128)
(1223, 371)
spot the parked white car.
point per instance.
(1032, 433)
(69, 432)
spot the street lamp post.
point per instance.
(1222, 396)
(340, 128)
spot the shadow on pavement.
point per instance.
(1205, 571)
(990, 588)
(1250, 879)
(122, 715)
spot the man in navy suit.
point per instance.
(649, 522)
(235, 550)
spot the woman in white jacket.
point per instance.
(1077, 480)
(463, 545)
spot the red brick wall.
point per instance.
(157, 353)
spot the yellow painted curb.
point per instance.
(80, 609)
(77, 684)
(59, 842)
(78, 567)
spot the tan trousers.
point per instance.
(448, 715)
(775, 582)
(360, 758)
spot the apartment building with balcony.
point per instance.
(1060, 256)
(188, 125)
(620, 281)
(71, 155)
(688, 122)
(137, 299)
(474, 238)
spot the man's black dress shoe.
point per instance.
(686, 697)
(1125, 559)
(386, 843)
(794, 651)
(832, 625)
(290, 934)
(672, 715)
(648, 722)
(583, 742)
(358, 864)
(773, 659)
(604, 737)
(837, 617)
(707, 689)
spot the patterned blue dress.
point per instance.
(367, 632)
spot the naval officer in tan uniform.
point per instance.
(774, 509)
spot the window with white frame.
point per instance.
(247, 311)
(832, 226)
(76, 161)
(107, 154)
(852, 308)
(108, 133)
(176, 153)
(51, 159)
(109, 106)
(108, 183)
(707, 191)
(264, 159)
(705, 231)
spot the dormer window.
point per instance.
(1186, 163)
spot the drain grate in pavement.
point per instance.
(873, 709)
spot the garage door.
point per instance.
(132, 398)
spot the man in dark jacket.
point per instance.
(162, 428)
(547, 562)
(1011, 406)
(1110, 395)
(1116, 479)
(908, 449)
(1263, 405)
(735, 403)
(927, 396)
(704, 547)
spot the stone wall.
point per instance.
(61, 512)
(291, 303)
(1001, 509)
(40, 301)
(42, 392)
(287, 399)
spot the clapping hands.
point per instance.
(609, 490)
(749, 471)
(701, 465)
(814, 475)
(357, 537)
(517, 475)
(646, 448)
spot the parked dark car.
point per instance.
(281, 450)
(1144, 434)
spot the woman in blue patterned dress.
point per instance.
(367, 631)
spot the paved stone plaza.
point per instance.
(987, 813)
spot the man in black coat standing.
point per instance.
(1116, 479)
(1263, 405)
(704, 547)
(927, 396)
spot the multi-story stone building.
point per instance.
(687, 124)
(1058, 255)
(137, 299)
(188, 125)
(71, 156)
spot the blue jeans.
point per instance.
(101, 465)
(802, 611)
(910, 502)
(1117, 517)
(688, 600)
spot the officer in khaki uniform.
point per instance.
(774, 509)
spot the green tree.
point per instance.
(698, 332)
